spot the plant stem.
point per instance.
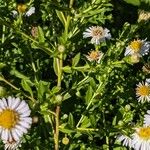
(59, 68)
(57, 128)
(17, 89)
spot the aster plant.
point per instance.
(73, 76)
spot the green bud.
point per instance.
(61, 48)
(127, 108)
(65, 140)
(58, 99)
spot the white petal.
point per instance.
(23, 110)
(24, 124)
(22, 105)
(4, 134)
(5, 102)
(16, 103)
(14, 135)
(19, 133)
(27, 119)
(26, 114)
(22, 129)
(30, 11)
(10, 101)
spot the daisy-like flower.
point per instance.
(144, 16)
(97, 33)
(143, 92)
(22, 9)
(138, 46)
(141, 138)
(15, 120)
(147, 118)
(126, 140)
(94, 56)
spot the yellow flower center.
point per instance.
(144, 132)
(21, 8)
(8, 118)
(94, 55)
(97, 31)
(136, 45)
(143, 90)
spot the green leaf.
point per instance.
(71, 121)
(89, 94)
(26, 86)
(86, 122)
(41, 35)
(55, 89)
(75, 60)
(67, 69)
(55, 66)
(42, 88)
(61, 17)
(133, 2)
(66, 96)
(18, 74)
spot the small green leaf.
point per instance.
(55, 89)
(75, 60)
(18, 74)
(61, 17)
(26, 86)
(67, 69)
(66, 96)
(71, 121)
(133, 2)
(41, 35)
(42, 88)
(89, 94)
(55, 66)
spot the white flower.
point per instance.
(14, 119)
(12, 145)
(22, 9)
(94, 56)
(141, 139)
(147, 118)
(143, 92)
(138, 46)
(30, 12)
(97, 33)
(127, 141)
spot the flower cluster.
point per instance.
(143, 91)
(136, 49)
(15, 120)
(140, 139)
(98, 34)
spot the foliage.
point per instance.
(42, 60)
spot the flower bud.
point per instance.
(65, 140)
(61, 48)
(35, 119)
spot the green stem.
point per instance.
(56, 135)
(60, 69)
(17, 89)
